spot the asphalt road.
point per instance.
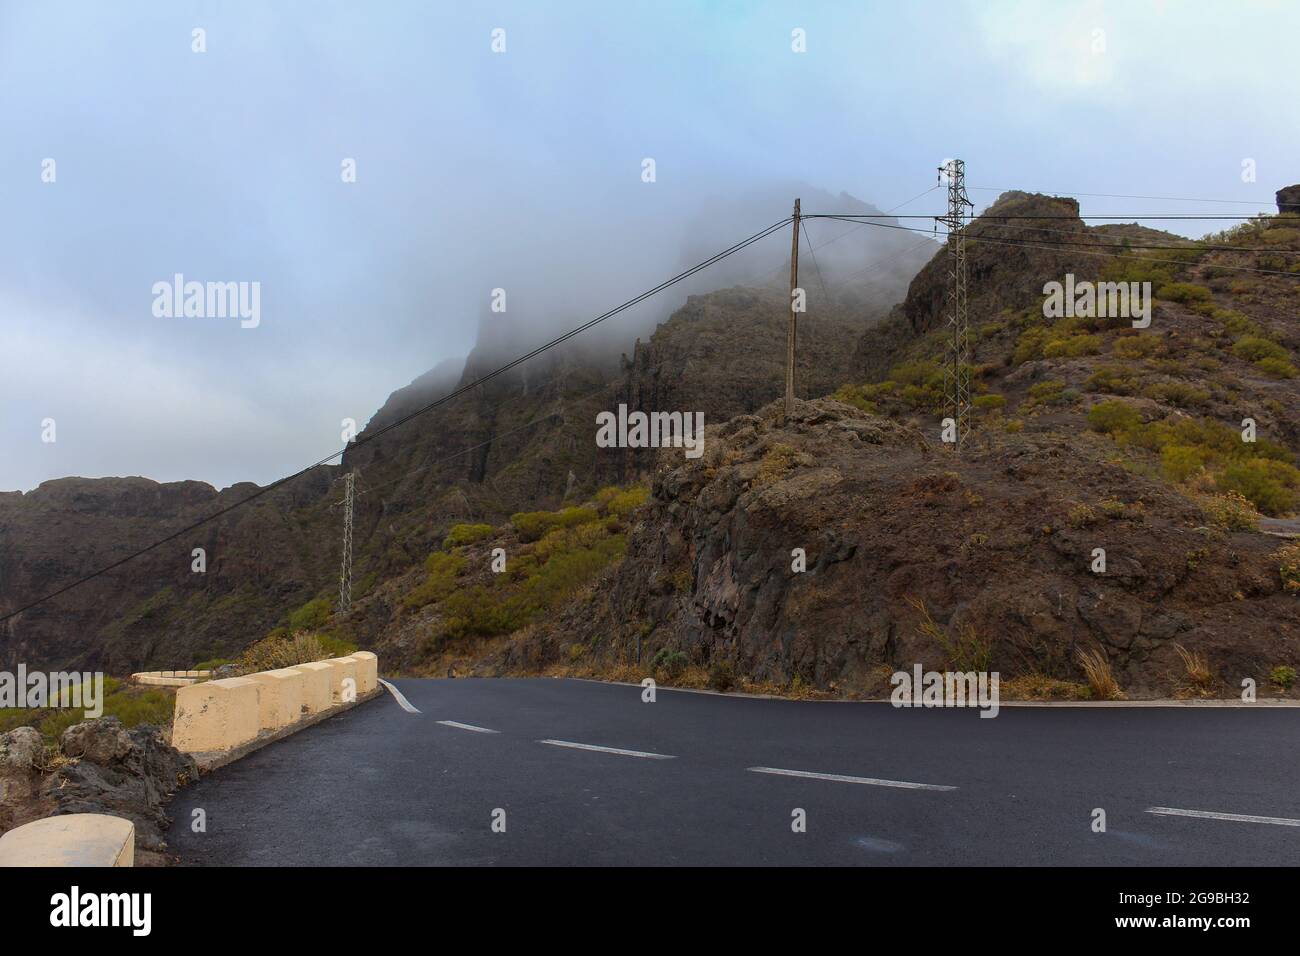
(378, 785)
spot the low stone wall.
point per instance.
(169, 678)
(217, 721)
(73, 839)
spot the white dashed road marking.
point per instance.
(397, 695)
(1230, 817)
(841, 778)
(458, 724)
(607, 750)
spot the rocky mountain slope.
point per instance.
(523, 441)
(493, 536)
(911, 555)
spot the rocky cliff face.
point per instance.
(893, 529)
(522, 442)
(155, 611)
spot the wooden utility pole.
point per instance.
(790, 335)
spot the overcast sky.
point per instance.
(523, 170)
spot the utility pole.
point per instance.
(956, 377)
(791, 334)
(345, 576)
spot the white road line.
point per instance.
(457, 723)
(841, 778)
(1230, 817)
(397, 695)
(607, 750)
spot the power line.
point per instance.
(1048, 244)
(602, 386)
(501, 370)
(811, 252)
(1056, 192)
(1125, 217)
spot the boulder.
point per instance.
(103, 741)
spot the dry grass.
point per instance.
(1042, 687)
(273, 653)
(1198, 669)
(965, 651)
(1097, 669)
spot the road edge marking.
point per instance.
(400, 698)
(608, 750)
(844, 778)
(1230, 817)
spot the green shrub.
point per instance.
(1135, 346)
(532, 525)
(312, 615)
(1185, 292)
(923, 373)
(1111, 380)
(1269, 485)
(1252, 349)
(442, 569)
(1177, 393)
(463, 534)
(855, 395)
(989, 402)
(628, 501)
(1030, 345)
(1276, 368)
(1180, 462)
(1113, 417)
(1072, 346)
(668, 663)
(1283, 676)
(1238, 324)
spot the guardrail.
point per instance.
(73, 839)
(169, 678)
(218, 721)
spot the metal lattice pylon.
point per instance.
(345, 575)
(956, 377)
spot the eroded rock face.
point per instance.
(21, 753)
(888, 524)
(1288, 199)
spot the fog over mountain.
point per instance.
(130, 158)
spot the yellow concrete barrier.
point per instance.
(215, 715)
(318, 678)
(367, 671)
(281, 699)
(74, 839)
(343, 680)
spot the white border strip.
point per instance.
(607, 750)
(841, 778)
(1230, 817)
(457, 724)
(398, 696)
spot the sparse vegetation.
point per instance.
(278, 650)
(1289, 567)
(964, 650)
(1260, 471)
(1198, 669)
(130, 703)
(1282, 676)
(1096, 669)
(463, 534)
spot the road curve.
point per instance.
(588, 774)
